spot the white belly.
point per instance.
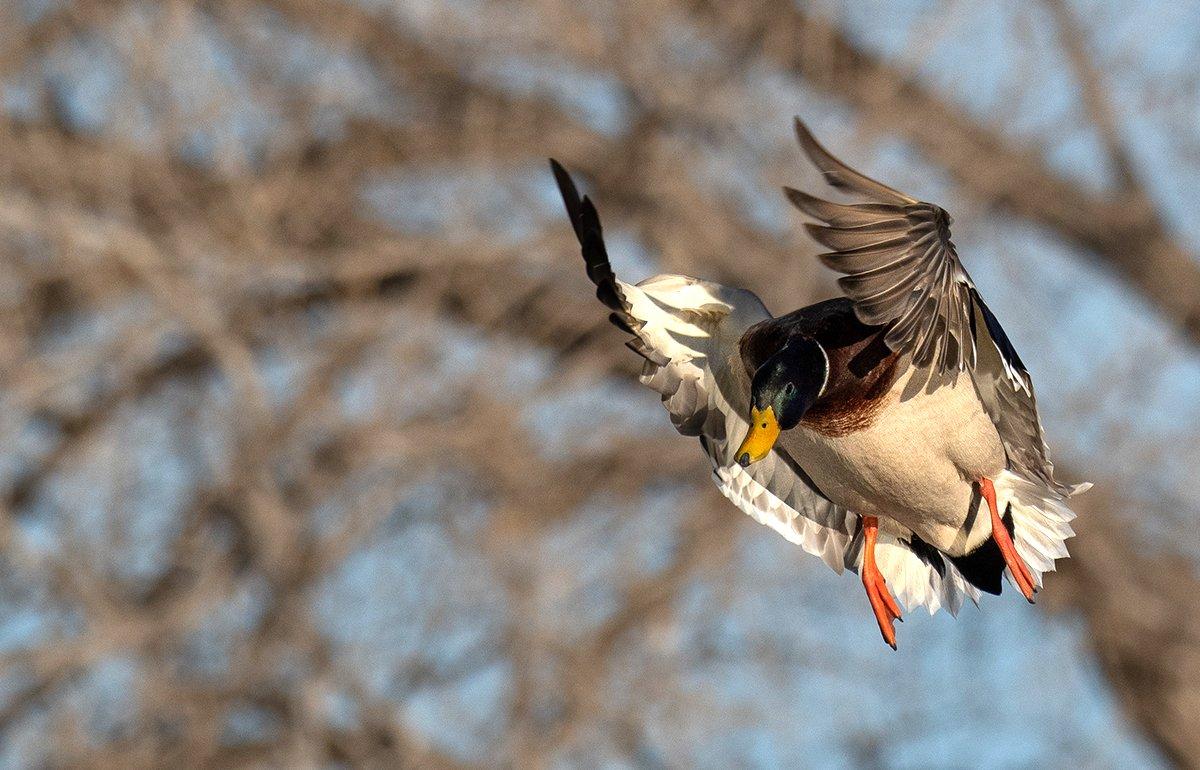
(914, 466)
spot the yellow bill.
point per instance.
(764, 429)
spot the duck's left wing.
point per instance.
(687, 331)
(901, 269)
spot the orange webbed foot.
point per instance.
(884, 605)
(1016, 565)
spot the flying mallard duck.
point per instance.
(884, 431)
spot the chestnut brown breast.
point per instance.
(861, 367)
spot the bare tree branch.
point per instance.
(1126, 232)
(1091, 84)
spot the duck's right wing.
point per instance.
(687, 331)
(706, 391)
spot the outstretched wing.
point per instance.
(687, 331)
(901, 269)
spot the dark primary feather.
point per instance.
(842, 176)
(586, 223)
(902, 271)
(840, 214)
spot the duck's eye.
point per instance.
(789, 389)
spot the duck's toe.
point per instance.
(883, 604)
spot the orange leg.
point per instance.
(885, 607)
(1016, 565)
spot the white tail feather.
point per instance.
(914, 583)
(1041, 520)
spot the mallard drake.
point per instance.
(893, 432)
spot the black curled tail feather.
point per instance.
(586, 222)
(984, 567)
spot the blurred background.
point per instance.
(319, 452)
